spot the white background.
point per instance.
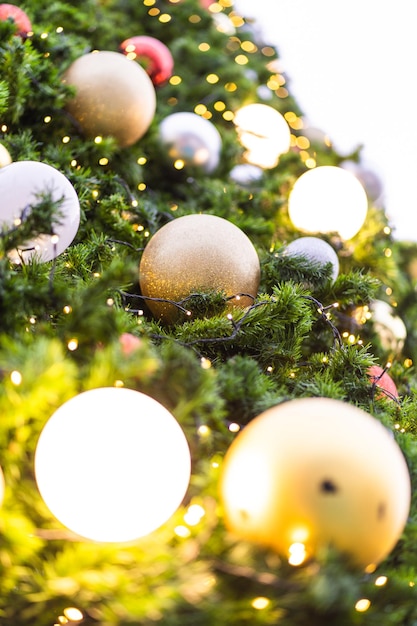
(352, 67)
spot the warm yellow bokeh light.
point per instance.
(362, 605)
(73, 614)
(260, 603)
(328, 199)
(297, 553)
(112, 464)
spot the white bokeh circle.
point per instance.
(328, 199)
(112, 464)
(264, 132)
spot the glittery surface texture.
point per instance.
(198, 253)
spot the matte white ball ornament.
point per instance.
(22, 185)
(328, 199)
(191, 141)
(245, 174)
(264, 132)
(317, 472)
(112, 464)
(316, 250)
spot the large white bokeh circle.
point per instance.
(328, 199)
(22, 185)
(112, 464)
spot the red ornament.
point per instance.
(12, 12)
(383, 381)
(129, 343)
(152, 54)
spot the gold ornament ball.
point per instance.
(5, 158)
(317, 472)
(114, 96)
(198, 253)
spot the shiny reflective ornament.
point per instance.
(317, 472)
(114, 96)
(245, 174)
(18, 16)
(112, 464)
(195, 254)
(315, 250)
(328, 199)
(317, 137)
(153, 55)
(383, 381)
(368, 178)
(264, 93)
(390, 328)
(191, 141)
(5, 158)
(264, 132)
(22, 186)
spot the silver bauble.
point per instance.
(192, 140)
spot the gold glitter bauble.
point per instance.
(114, 96)
(317, 472)
(198, 253)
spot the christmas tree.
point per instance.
(207, 400)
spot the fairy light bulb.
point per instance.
(297, 553)
(264, 132)
(328, 199)
(112, 464)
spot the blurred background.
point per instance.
(350, 67)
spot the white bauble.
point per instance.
(192, 140)
(245, 174)
(316, 250)
(22, 185)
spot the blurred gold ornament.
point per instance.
(317, 472)
(198, 253)
(5, 158)
(114, 96)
